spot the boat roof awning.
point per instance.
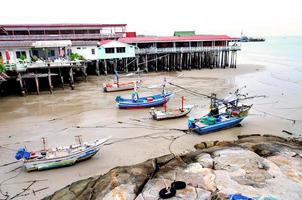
(57, 43)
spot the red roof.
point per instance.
(103, 42)
(177, 38)
(59, 25)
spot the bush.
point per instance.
(34, 58)
(22, 58)
(2, 68)
(75, 56)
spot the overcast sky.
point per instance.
(162, 17)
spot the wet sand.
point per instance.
(89, 112)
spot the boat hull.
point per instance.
(119, 87)
(52, 163)
(129, 104)
(218, 126)
(160, 115)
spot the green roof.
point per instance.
(184, 33)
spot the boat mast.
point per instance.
(79, 139)
(44, 143)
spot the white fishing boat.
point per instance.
(171, 113)
(58, 157)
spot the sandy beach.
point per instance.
(89, 112)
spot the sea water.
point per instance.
(280, 81)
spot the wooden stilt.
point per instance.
(61, 78)
(49, 81)
(37, 84)
(156, 59)
(180, 66)
(21, 84)
(235, 60)
(105, 67)
(137, 64)
(97, 67)
(146, 60)
(126, 65)
(71, 80)
(84, 68)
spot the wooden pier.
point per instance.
(62, 72)
(173, 59)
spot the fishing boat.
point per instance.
(229, 119)
(121, 86)
(171, 113)
(143, 102)
(58, 157)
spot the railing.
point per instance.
(154, 50)
(59, 37)
(23, 66)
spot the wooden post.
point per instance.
(137, 62)
(84, 71)
(156, 62)
(146, 60)
(105, 67)
(97, 67)
(126, 65)
(167, 62)
(71, 78)
(115, 68)
(61, 77)
(21, 84)
(49, 80)
(181, 61)
(37, 84)
(235, 60)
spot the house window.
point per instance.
(69, 51)
(78, 47)
(120, 49)
(93, 51)
(109, 50)
(20, 54)
(51, 53)
(35, 53)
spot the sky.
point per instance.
(163, 17)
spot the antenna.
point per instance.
(79, 139)
(44, 143)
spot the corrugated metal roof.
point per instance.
(58, 25)
(184, 33)
(85, 43)
(5, 44)
(178, 38)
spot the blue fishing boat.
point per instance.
(143, 102)
(211, 123)
(201, 128)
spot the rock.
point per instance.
(254, 165)
(205, 160)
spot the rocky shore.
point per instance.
(253, 165)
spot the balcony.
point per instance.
(19, 67)
(59, 37)
(154, 50)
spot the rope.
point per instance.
(278, 116)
